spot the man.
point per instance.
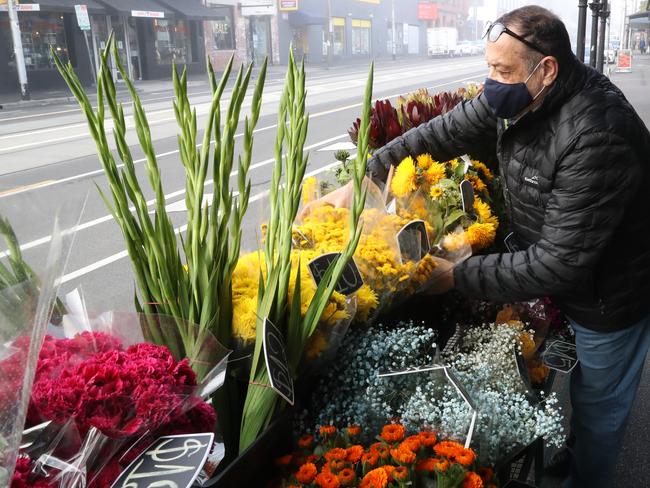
(574, 158)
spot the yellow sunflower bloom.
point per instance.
(480, 235)
(484, 213)
(434, 174)
(435, 192)
(405, 178)
(425, 161)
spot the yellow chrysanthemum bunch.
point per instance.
(412, 175)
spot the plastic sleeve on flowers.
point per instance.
(469, 128)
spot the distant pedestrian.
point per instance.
(642, 46)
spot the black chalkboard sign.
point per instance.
(467, 196)
(349, 282)
(413, 241)
(277, 365)
(173, 460)
(560, 356)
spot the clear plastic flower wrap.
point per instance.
(108, 393)
(27, 306)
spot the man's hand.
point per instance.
(443, 280)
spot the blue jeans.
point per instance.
(603, 387)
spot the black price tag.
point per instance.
(277, 365)
(173, 460)
(413, 241)
(467, 196)
(560, 356)
(350, 280)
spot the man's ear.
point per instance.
(551, 68)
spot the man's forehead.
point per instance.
(506, 51)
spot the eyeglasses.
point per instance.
(493, 31)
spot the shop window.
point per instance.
(172, 41)
(39, 32)
(361, 36)
(338, 35)
(223, 32)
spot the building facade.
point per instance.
(150, 35)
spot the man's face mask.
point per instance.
(509, 99)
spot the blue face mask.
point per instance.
(508, 99)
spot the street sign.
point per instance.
(82, 17)
(151, 14)
(288, 5)
(21, 7)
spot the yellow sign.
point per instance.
(366, 24)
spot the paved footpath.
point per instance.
(634, 459)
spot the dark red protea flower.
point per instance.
(384, 125)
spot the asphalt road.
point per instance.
(47, 159)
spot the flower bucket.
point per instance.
(255, 466)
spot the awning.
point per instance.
(191, 9)
(299, 18)
(639, 20)
(66, 6)
(138, 8)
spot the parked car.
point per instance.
(479, 46)
(465, 48)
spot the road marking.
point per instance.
(339, 146)
(178, 230)
(26, 187)
(175, 151)
(203, 107)
(106, 218)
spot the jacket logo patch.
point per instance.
(533, 181)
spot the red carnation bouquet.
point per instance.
(101, 394)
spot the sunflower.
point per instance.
(307, 473)
(424, 161)
(405, 178)
(472, 480)
(480, 235)
(435, 192)
(487, 174)
(484, 212)
(434, 174)
(392, 433)
(477, 183)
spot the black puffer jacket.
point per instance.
(577, 178)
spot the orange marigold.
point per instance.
(347, 477)
(465, 457)
(486, 474)
(377, 478)
(441, 465)
(382, 451)
(336, 465)
(393, 433)
(370, 458)
(354, 430)
(327, 480)
(327, 430)
(428, 464)
(306, 441)
(403, 456)
(412, 443)
(284, 460)
(389, 471)
(472, 480)
(354, 454)
(307, 473)
(401, 473)
(427, 439)
(448, 449)
(336, 453)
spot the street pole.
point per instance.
(394, 43)
(329, 34)
(582, 29)
(595, 7)
(18, 49)
(600, 59)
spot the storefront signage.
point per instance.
(151, 14)
(173, 460)
(288, 5)
(251, 8)
(22, 7)
(277, 365)
(427, 11)
(82, 17)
